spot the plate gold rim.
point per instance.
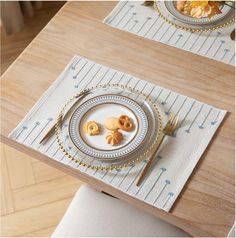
(110, 167)
(114, 149)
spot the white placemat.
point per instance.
(144, 21)
(177, 159)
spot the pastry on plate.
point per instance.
(125, 123)
(114, 137)
(111, 123)
(92, 128)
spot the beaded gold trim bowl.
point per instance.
(110, 166)
(178, 26)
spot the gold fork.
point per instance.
(167, 131)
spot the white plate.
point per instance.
(102, 102)
(98, 109)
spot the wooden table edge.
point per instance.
(103, 186)
(98, 185)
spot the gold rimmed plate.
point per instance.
(100, 108)
(167, 10)
(110, 101)
(227, 12)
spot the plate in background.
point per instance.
(171, 7)
(167, 10)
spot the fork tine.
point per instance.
(172, 119)
(175, 119)
(173, 125)
(172, 116)
(169, 122)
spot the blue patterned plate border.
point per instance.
(76, 118)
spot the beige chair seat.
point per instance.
(92, 213)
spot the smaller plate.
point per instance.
(98, 109)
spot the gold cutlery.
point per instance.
(232, 35)
(148, 3)
(51, 131)
(167, 131)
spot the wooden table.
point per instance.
(206, 205)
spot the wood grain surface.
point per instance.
(206, 205)
(29, 189)
(22, 183)
(13, 45)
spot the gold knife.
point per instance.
(79, 97)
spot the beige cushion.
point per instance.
(95, 214)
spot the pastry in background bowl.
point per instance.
(199, 9)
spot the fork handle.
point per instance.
(149, 163)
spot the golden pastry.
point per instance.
(114, 137)
(92, 128)
(124, 118)
(111, 123)
(180, 5)
(199, 9)
(125, 123)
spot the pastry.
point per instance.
(199, 9)
(92, 128)
(124, 118)
(125, 123)
(180, 5)
(114, 137)
(111, 123)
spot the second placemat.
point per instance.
(134, 17)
